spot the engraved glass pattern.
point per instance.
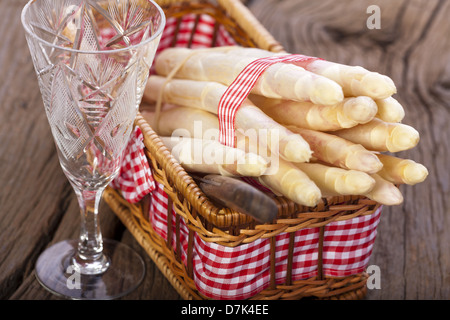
(92, 59)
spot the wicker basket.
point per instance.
(224, 226)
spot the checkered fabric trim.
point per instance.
(240, 272)
(206, 33)
(135, 179)
(348, 244)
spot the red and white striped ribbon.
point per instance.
(240, 88)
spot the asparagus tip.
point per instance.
(378, 86)
(358, 182)
(414, 173)
(252, 166)
(297, 151)
(326, 92)
(403, 137)
(361, 109)
(307, 195)
(364, 161)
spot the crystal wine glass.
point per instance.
(92, 59)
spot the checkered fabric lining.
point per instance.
(240, 272)
(135, 179)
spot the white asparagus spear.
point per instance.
(183, 121)
(398, 170)
(292, 183)
(354, 80)
(338, 151)
(280, 80)
(384, 192)
(346, 114)
(390, 110)
(284, 178)
(209, 156)
(334, 181)
(206, 95)
(378, 135)
(196, 123)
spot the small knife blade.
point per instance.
(239, 196)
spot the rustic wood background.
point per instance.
(38, 207)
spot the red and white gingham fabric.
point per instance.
(202, 38)
(239, 90)
(240, 272)
(135, 179)
(207, 34)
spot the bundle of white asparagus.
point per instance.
(307, 130)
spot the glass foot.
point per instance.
(55, 272)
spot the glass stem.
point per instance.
(89, 258)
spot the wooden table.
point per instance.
(412, 45)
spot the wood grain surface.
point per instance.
(412, 46)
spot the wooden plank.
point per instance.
(412, 47)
